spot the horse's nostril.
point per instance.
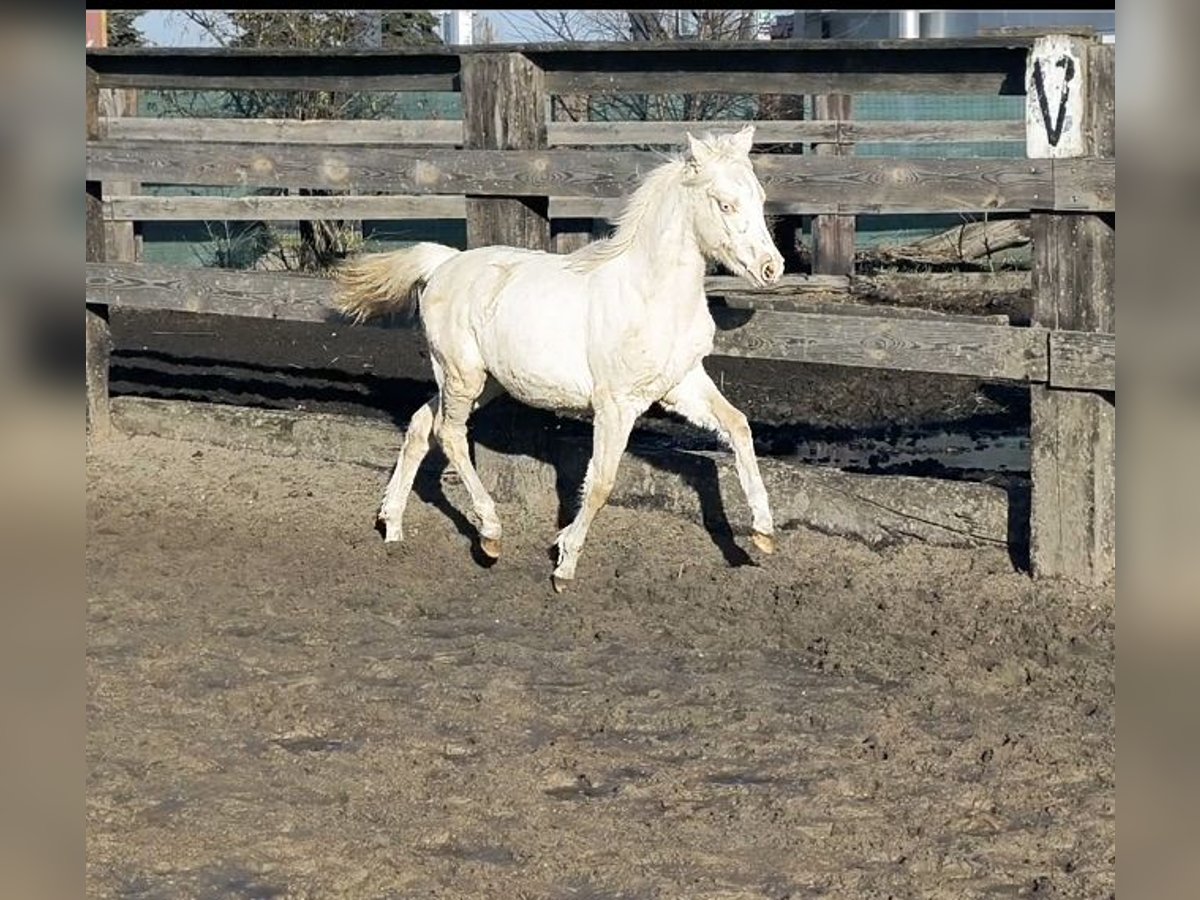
(768, 272)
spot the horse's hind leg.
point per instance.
(699, 401)
(416, 445)
(462, 392)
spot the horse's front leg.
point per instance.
(612, 424)
(699, 401)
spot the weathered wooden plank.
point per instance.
(570, 235)
(779, 131)
(1073, 433)
(849, 185)
(120, 236)
(1083, 360)
(386, 206)
(833, 235)
(610, 207)
(1102, 103)
(847, 307)
(258, 70)
(97, 335)
(731, 69)
(276, 209)
(987, 65)
(751, 80)
(448, 132)
(1006, 293)
(787, 286)
(104, 59)
(903, 287)
(859, 185)
(266, 81)
(251, 294)
(955, 348)
(418, 132)
(504, 109)
(97, 351)
(875, 339)
(1085, 185)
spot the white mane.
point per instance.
(649, 193)
(677, 171)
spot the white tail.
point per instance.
(379, 283)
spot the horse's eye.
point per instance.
(726, 207)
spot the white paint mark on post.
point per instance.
(1054, 86)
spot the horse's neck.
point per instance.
(667, 254)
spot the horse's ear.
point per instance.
(744, 140)
(700, 150)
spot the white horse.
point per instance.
(612, 328)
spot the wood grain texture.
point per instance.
(121, 239)
(848, 185)
(1083, 360)
(868, 337)
(384, 206)
(449, 132)
(504, 109)
(1073, 432)
(998, 352)
(278, 209)
(97, 336)
(258, 69)
(415, 132)
(833, 235)
(97, 351)
(780, 131)
(846, 307)
(1085, 185)
(855, 67)
(250, 294)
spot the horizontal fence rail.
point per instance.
(943, 66)
(816, 184)
(904, 339)
(449, 132)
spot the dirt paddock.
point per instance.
(279, 707)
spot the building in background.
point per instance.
(456, 26)
(867, 25)
(97, 28)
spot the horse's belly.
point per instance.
(539, 359)
(545, 389)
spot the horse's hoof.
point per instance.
(490, 547)
(560, 583)
(764, 542)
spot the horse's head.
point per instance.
(728, 207)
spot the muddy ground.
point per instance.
(278, 707)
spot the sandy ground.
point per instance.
(279, 707)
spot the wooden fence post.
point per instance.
(1070, 113)
(97, 337)
(121, 238)
(571, 234)
(504, 108)
(833, 235)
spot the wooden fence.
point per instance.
(511, 173)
